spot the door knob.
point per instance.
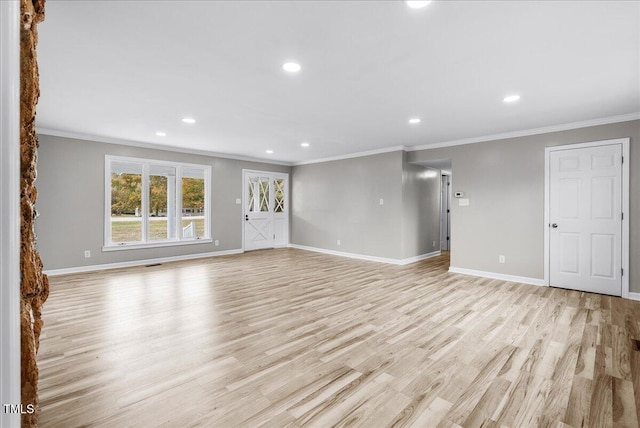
(554, 225)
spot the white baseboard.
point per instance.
(92, 268)
(420, 257)
(634, 296)
(501, 276)
(400, 262)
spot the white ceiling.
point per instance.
(126, 69)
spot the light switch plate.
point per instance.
(463, 202)
(238, 201)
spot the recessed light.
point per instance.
(304, 144)
(161, 134)
(417, 4)
(269, 151)
(188, 120)
(291, 67)
(414, 121)
(511, 98)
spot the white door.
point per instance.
(585, 219)
(266, 209)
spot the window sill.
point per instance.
(159, 244)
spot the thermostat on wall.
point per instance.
(458, 194)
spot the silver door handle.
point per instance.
(554, 225)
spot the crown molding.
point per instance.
(353, 155)
(473, 140)
(111, 140)
(529, 132)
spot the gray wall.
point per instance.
(71, 202)
(504, 181)
(341, 200)
(420, 210)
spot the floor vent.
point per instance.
(635, 344)
(155, 264)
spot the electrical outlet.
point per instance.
(238, 201)
(501, 259)
(216, 242)
(338, 242)
(87, 254)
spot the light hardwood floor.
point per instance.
(292, 338)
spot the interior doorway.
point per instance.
(445, 212)
(445, 166)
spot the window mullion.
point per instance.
(172, 192)
(145, 202)
(178, 203)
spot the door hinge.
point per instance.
(622, 274)
(448, 211)
(621, 216)
(622, 159)
(274, 236)
(448, 184)
(447, 238)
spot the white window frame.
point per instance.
(146, 163)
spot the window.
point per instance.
(155, 203)
(278, 201)
(258, 194)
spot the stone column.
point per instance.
(34, 284)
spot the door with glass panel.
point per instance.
(266, 209)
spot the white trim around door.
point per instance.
(10, 211)
(265, 209)
(624, 142)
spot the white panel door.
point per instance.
(585, 219)
(266, 209)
